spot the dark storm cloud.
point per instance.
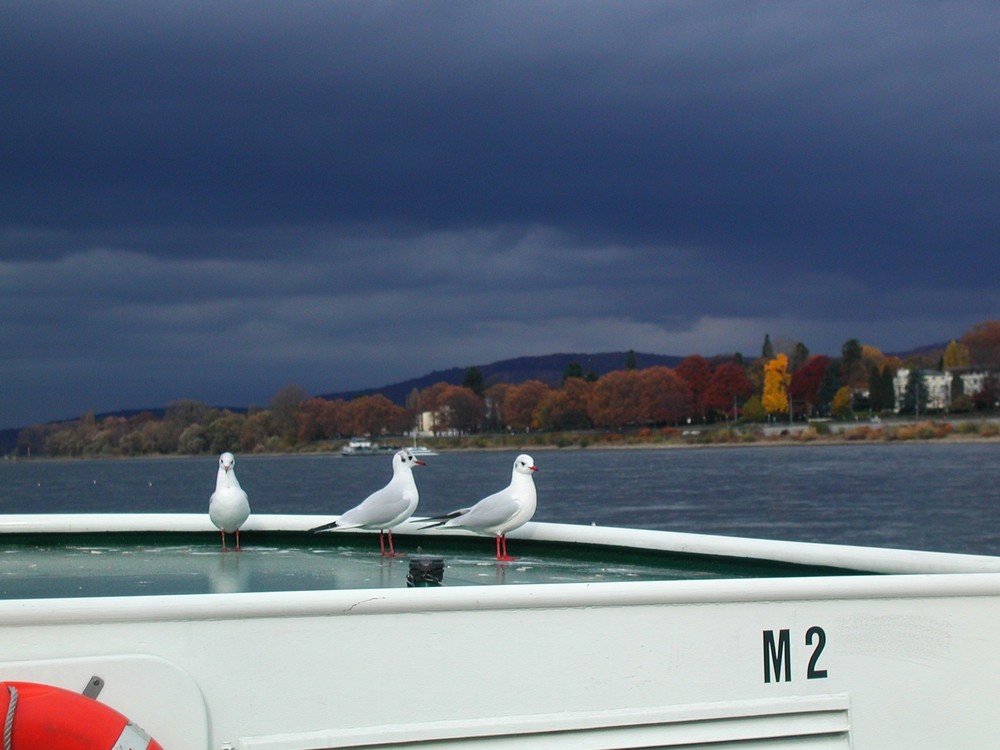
(281, 189)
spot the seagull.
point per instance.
(501, 512)
(228, 507)
(387, 507)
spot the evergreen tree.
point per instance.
(878, 398)
(474, 381)
(853, 370)
(767, 351)
(832, 382)
(915, 398)
(799, 357)
(957, 390)
(573, 370)
(630, 360)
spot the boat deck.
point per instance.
(49, 565)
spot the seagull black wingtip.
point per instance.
(324, 527)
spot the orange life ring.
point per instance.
(34, 716)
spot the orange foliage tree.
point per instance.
(520, 409)
(495, 397)
(373, 415)
(615, 402)
(319, 418)
(567, 408)
(461, 408)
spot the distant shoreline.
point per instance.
(754, 436)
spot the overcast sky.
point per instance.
(212, 200)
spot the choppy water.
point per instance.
(925, 496)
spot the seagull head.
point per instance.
(407, 459)
(227, 461)
(525, 464)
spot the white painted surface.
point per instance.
(908, 661)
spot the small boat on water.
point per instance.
(366, 447)
(422, 451)
(594, 638)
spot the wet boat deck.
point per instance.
(48, 565)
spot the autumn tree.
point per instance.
(956, 354)
(727, 388)
(495, 397)
(664, 396)
(988, 396)
(520, 408)
(804, 386)
(283, 406)
(568, 407)
(616, 400)
(375, 415)
(840, 406)
(258, 433)
(776, 380)
(753, 410)
(462, 409)
(320, 418)
(983, 342)
(697, 373)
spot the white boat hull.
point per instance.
(906, 660)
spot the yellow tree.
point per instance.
(956, 355)
(776, 380)
(841, 404)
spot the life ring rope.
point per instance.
(8, 726)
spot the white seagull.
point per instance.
(228, 507)
(501, 512)
(387, 507)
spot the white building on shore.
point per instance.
(940, 385)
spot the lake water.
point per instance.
(930, 496)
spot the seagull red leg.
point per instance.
(237, 540)
(502, 555)
(392, 552)
(223, 541)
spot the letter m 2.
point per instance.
(777, 656)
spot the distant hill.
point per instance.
(549, 368)
(920, 351)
